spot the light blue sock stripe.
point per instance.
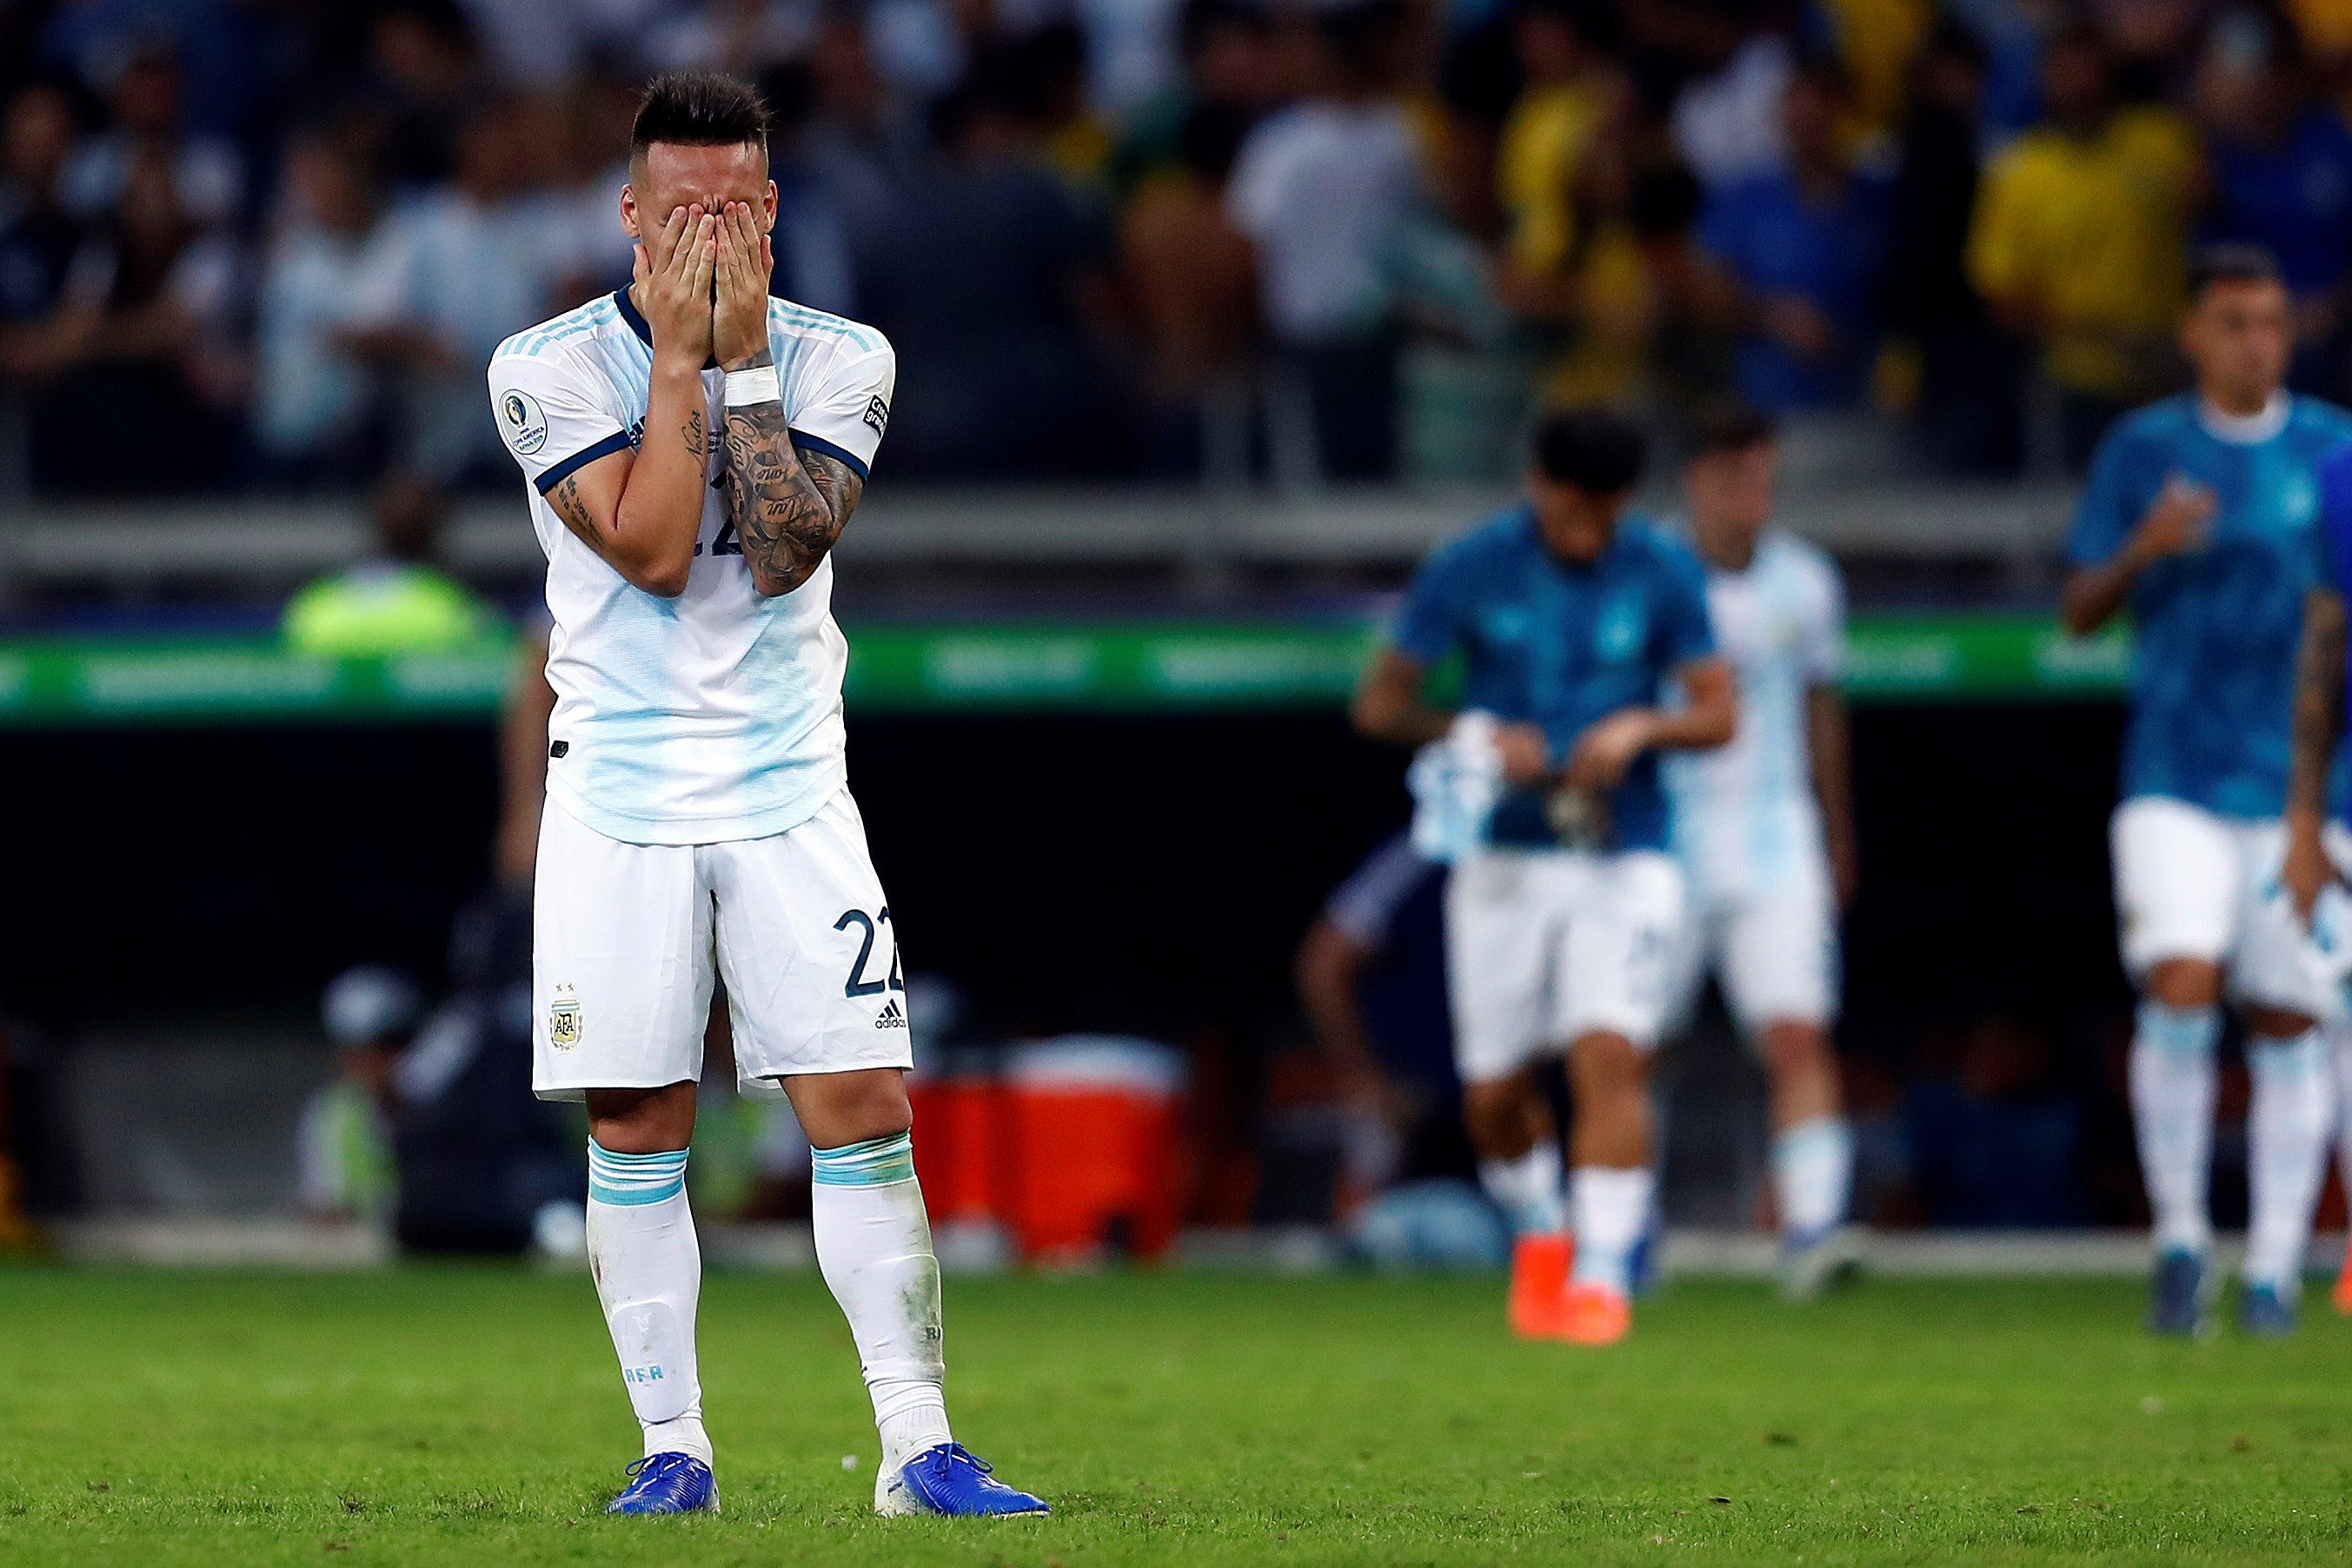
(634, 1180)
(873, 1163)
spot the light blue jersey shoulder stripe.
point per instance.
(839, 326)
(570, 327)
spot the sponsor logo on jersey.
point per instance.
(893, 1016)
(524, 423)
(564, 1019)
(877, 412)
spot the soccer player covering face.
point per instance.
(2199, 516)
(694, 450)
(1764, 829)
(1572, 621)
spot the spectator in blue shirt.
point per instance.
(1801, 248)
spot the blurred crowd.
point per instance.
(270, 244)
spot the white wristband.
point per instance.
(757, 384)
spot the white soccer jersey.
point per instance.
(716, 715)
(1746, 817)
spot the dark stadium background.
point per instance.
(1071, 872)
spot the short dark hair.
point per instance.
(2232, 261)
(1590, 449)
(1729, 427)
(698, 108)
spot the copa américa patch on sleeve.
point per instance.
(522, 421)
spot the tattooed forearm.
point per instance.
(789, 507)
(696, 444)
(2318, 699)
(568, 506)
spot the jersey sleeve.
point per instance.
(1686, 630)
(552, 419)
(1427, 625)
(1820, 656)
(843, 414)
(2104, 516)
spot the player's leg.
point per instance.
(2287, 988)
(1780, 972)
(818, 1001)
(1613, 1004)
(2339, 1045)
(622, 976)
(1498, 974)
(2177, 886)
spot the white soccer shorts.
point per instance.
(2191, 883)
(1774, 952)
(1544, 946)
(628, 937)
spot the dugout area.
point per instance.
(1093, 869)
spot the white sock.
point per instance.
(1528, 1189)
(1813, 1171)
(874, 1244)
(2172, 1114)
(2287, 1153)
(648, 1270)
(1611, 1207)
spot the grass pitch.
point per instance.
(473, 1415)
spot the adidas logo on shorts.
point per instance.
(893, 1016)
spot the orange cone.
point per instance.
(1595, 1315)
(1540, 1285)
(2342, 1294)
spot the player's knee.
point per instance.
(1792, 1049)
(1495, 1116)
(2185, 982)
(642, 1121)
(2267, 1023)
(840, 1109)
(1606, 1064)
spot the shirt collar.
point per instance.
(2244, 429)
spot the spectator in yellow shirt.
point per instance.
(2079, 241)
(397, 600)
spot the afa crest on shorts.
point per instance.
(564, 1019)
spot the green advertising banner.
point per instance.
(1109, 666)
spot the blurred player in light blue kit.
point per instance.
(1543, 791)
(2198, 515)
(1764, 828)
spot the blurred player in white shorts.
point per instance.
(2200, 515)
(695, 447)
(1572, 620)
(1764, 829)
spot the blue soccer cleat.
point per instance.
(668, 1483)
(2178, 1296)
(2266, 1311)
(953, 1482)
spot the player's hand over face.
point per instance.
(740, 323)
(1607, 748)
(2307, 869)
(1525, 757)
(2177, 523)
(673, 270)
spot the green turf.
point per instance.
(459, 1415)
